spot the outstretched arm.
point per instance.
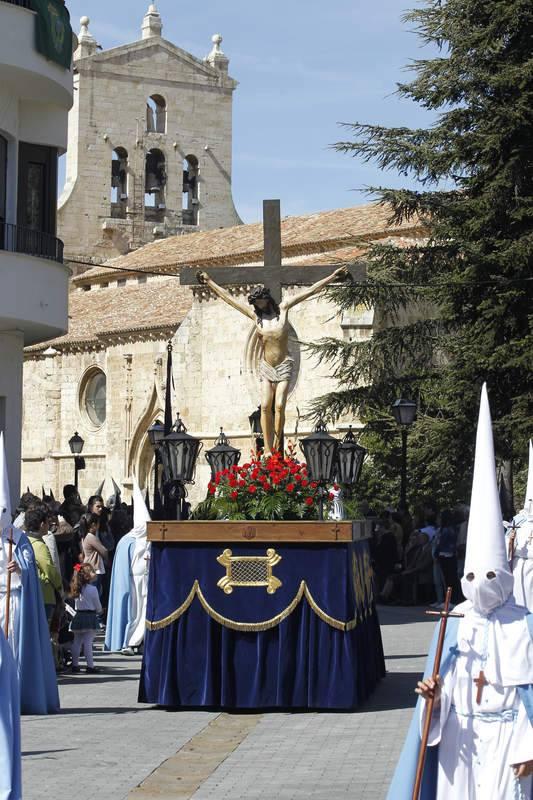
(317, 287)
(205, 280)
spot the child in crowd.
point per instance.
(84, 625)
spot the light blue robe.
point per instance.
(10, 776)
(403, 781)
(35, 661)
(118, 608)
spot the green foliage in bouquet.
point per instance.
(271, 488)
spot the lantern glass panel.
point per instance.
(320, 451)
(76, 444)
(222, 456)
(179, 453)
(404, 412)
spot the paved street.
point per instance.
(104, 744)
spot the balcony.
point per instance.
(26, 73)
(21, 3)
(16, 239)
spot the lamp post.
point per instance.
(76, 446)
(255, 429)
(404, 412)
(350, 459)
(156, 433)
(320, 451)
(179, 452)
(222, 455)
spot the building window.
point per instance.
(119, 182)
(189, 210)
(155, 178)
(141, 279)
(156, 114)
(121, 282)
(3, 178)
(37, 187)
(93, 397)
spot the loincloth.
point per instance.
(277, 374)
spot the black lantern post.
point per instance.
(256, 430)
(76, 446)
(156, 434)
(404, 412)
(222, 455)
(179, 452)
(350, 459)
(320, 451)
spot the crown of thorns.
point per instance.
(260, 293)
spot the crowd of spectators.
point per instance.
(64, 536)
(416, 558)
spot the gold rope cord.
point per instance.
(249, 627)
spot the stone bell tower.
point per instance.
(149, 144)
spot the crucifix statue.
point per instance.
(269, 313)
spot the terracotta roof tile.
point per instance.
(324, 238)
(301, 236)
(99, 313)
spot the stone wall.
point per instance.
(112, 89)
(214, 385)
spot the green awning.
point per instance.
(53, 34)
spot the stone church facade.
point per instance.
(149, 145)
(106, 378)
(149, 159)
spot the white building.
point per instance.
(35, 97)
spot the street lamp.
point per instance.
(320, 451)
(222, 455)
(156, 433)
(404, 412)
(76, 446)
(350, 459)
(179, 452)
(255, 428)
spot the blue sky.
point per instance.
(303, 66)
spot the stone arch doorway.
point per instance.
(141, 455)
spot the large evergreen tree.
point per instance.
(456, 308)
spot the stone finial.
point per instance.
(217, 58)
(87, 44)
(152, 25)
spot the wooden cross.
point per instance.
(272, 274)
(480, 682)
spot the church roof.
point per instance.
(104, 313)
(159, 304)
(300, 236)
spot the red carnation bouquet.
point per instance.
(272, 487)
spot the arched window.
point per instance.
(119, 182)
(93, 392)
(155, 178)
(156, 114)
(190, 201)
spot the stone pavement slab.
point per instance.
(103, 744)
(330, 756)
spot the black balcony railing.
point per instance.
(17, 239)
(23, 3)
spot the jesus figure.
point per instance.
(272, 326)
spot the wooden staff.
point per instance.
(444, 614)
(8, 585)
(512, 543)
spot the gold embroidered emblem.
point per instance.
(249, 571)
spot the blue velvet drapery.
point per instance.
(326, 653)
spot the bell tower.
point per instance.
(149, 144)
